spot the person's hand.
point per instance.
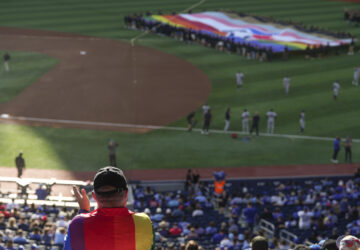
(82, 198)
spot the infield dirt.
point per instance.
(103, 80)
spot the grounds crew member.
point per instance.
(111, 226)
(20, 164)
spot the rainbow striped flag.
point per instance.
(111, 229)
(248, 30)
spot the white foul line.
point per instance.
(139, 126)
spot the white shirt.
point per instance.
(245, 116)
(205, 109)
(356, 72)
(12, 205)
(239, 78)
(197, 212)
(271, 116)
(304, 219)
(336, 86)
(286, 81)
(226, 243)
(302, 116)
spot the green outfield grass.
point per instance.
(86, 150)
(25, 68)
(311, 90)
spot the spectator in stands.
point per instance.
(12, 205)
(177, 212)
(112, 220)
(199, 230)
(301, 247)
(9, 245)
(158, 216)
(195, 179)
(226, 243)
(198, 211)
(219, 182)
(12, 223)
(329, 244)
(175, 230)
(218, 237)
(305, 218)
(188, 180)
(23, 225)
(41, 192)
(192, 245)
(19, 238)
(266, 215)
(61, 222)
(348, 242)
(233, 227)
(192, 235)
(246, 239)
(47, 237)
(259, 243)
(2, 221)
(163, 228)
(35, 234)
(250, 215)
(211, 229)
(59, 238)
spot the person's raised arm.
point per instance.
(82, 199)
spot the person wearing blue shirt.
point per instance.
(218, 237)
(19, 238)
(336, 149)
(250, 214)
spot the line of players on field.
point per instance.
(271, 114)
(246, 118)
(286, 82)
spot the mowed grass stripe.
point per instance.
(88, 6)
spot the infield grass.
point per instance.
(311, 90)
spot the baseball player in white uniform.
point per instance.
(356, 76)
(336, 87)
(286, 84)
(245, 121)
(6, 61)
(302, 122)
(271, 115)
(239, 79)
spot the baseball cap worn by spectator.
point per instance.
(348, 242)
(259, 243)
(110, 177)
(301, 247)
(329, 245)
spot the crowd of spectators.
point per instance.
(316, 210)
(313, 209)
(249, 49)
(30, 226)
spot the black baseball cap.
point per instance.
(110, 176)
(330, 245)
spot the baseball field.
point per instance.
(76, 82)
